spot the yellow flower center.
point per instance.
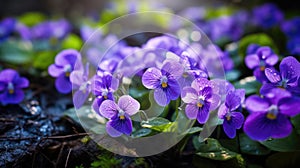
(122, 117)
(228, 117)
(185, 74)
(272, 112)
(262, 68)
(67, 74)
(271, 116)
(164, 84)
(105, 97)
(11, 91)
(199, 104)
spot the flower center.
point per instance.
(228, 116)
(272, 112)
(200, 102)
(185, 75)
(121, 114)
(283, 84)
(84, 86)
(164, 82)
(67, 70)
(262, 65)
(104, 93)
(11, 88)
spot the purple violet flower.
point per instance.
(80, 79)
(11, 85)
(233, 119)
(119, 115)
(167, 43)
(7, 26)
(285, 79)
(164, 82)
(269, 115)
(191, 68)
(267, 15)
(252, 48)
(262, 59)
(225, 29)
(62, 68)
(291, 27)
(199, 100)
(293, 45)
(104, 86)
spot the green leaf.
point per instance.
(193, 130)
(288, 144)
(215, 13)
(250, 84)
(141, 133)
(260, 39)
(212, 149)
(16, 52)
(72, 41)
(158, 124)
(44, 59)
(296, 122)
(251, 147)
(32, 18)
(87, 118)
(99, 129)
(233, 75)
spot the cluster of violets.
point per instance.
(53, 31)
(279, 95)
(183, 78)
(232, 27)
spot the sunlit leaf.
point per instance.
(72, 41)
(212, 149)
(250, 84)
(44, 59)
(158, 124)
(16, 52)
(31, 18)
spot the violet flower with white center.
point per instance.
(164, 82)
(11, 85)
(119, 115)
(269, 115)
(191, 69)
(285, 79)
(80, 79)
(263, 58)
(62, 68)
(104, 86)
(199, 100)
(233, 119)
